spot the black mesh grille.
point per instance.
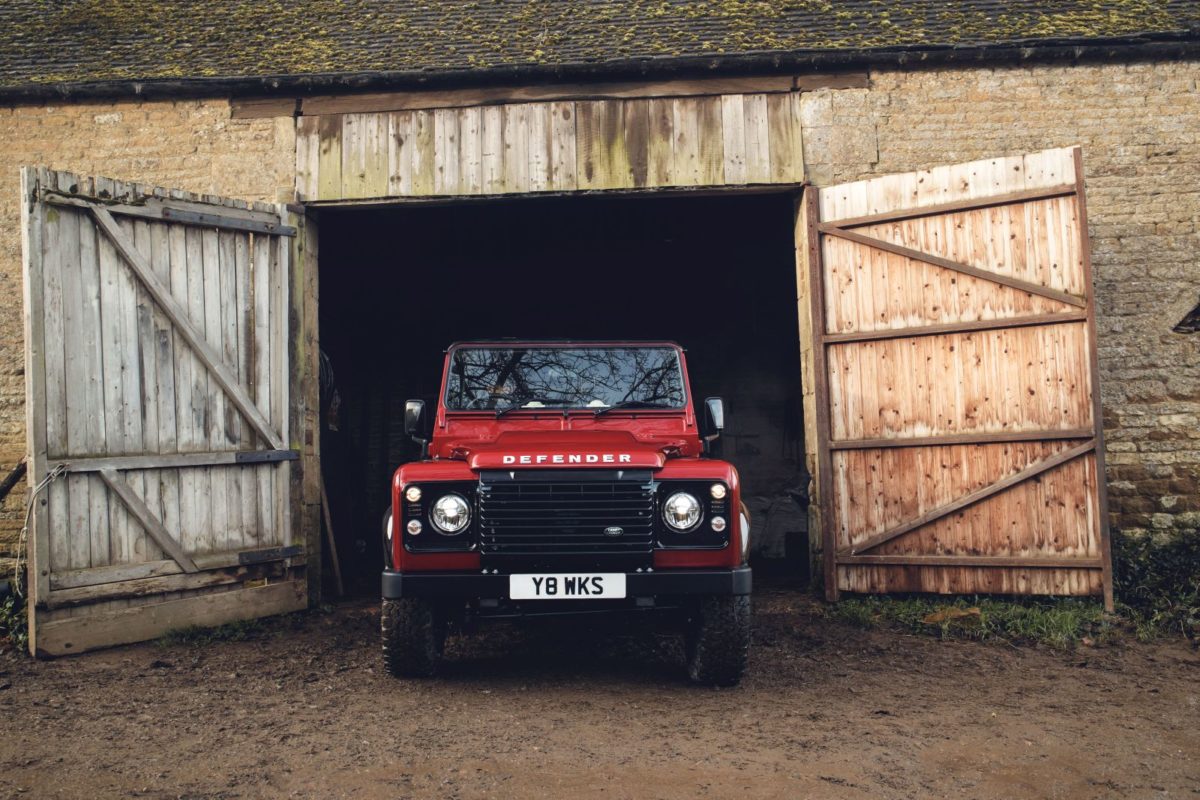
(565, 514)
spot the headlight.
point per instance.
(718, 491)
(681, 511)
(450, 514)
(412, 494)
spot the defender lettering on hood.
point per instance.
(569, 458)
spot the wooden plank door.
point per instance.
(156, 331)
(956, 411)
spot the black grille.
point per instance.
(565, 514)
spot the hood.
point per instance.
(564, 449)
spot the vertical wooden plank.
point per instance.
(228, 479)
(422, 153)
(162, 342)
(470, 150)
(42, 314)
(244, 315)
(265, 302)
(540, 146)
(446, 169)
(787, 154)
(213, 432)
(660, 142)
(809, 259)
(187, 285)
(110, 543)
(399, 147)
(733, 131)
(516, 148)
(1093, 363)
(493, 150)
(636, 136)
(354, 156)
(686, 168)
(139, 381)
(758, 140)
(329, 157)
(563, 155)
(308, 148)
(711, 156)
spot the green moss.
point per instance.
(127, 39)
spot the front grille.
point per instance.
(564, 514)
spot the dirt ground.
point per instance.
(565, 711)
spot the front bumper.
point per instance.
(474, 585)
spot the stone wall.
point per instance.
(192, 145)
(1139, 126)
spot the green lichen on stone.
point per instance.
(94, 40)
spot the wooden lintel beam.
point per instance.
(998, 437)
(972, 498)
(204, 351)
(151, 523)
(1030, 562)
(971, 326)
(1025, 196)
(965, 269)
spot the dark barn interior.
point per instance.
(714, 273)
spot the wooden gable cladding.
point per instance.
(561, 146)
(956, 413)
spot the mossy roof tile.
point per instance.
(84, 41)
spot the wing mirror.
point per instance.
(714, 408)
(414, 424)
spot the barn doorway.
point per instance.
(715, 273)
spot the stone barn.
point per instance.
(938, 258)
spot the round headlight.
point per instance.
(412, 494)
(717, 490)
(450, 514)
(681, 511)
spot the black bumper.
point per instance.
(474, 585)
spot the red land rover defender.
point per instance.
(566, 476)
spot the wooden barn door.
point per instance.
(156, 331)
(954, 357)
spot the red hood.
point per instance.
(559, 449)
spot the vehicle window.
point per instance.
(498, 378)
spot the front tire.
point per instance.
(718, 640)
(414, 633)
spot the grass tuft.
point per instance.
(1059, 623)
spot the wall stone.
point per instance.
(1139, 126)
(191, 145)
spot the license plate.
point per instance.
(574, 586)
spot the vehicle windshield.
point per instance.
(500, 378)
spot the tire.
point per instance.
(414, 633)
(718, 641)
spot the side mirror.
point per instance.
(414, 424)
(715, 410)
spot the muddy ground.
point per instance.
(304, 710)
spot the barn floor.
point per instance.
(303, 710)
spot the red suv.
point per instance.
(560, 477)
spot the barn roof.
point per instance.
(124, 46)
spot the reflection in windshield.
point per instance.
(497, 378)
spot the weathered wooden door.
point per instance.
(156, 334)
(954, 367)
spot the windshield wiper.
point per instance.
(629, 404)
(500, 412)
